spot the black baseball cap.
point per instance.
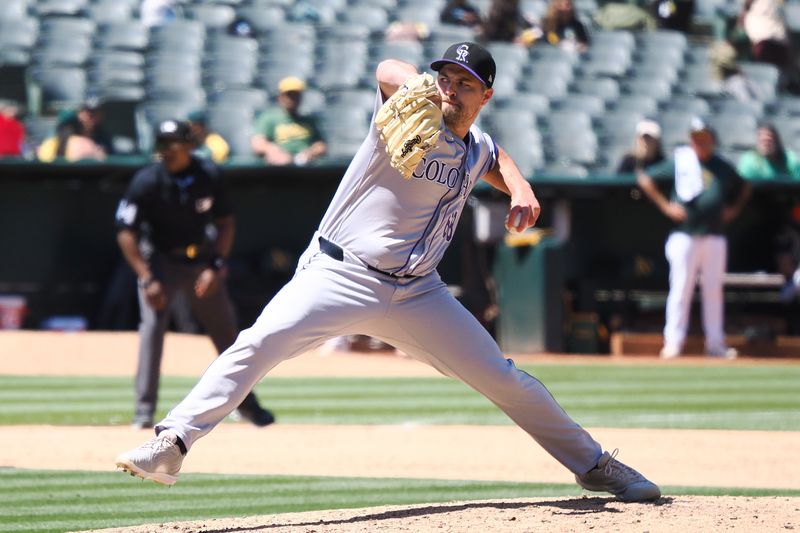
(472, 57)
(173, 130)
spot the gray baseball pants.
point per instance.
(328, 298)
(215, 313)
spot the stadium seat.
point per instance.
(235, 124)
(564, 169)
(787, 105)
(543, 69)
(537, 103)
(179, 35)
(66, 27)
(605, 61)
(62, 51)
(314, 101)
(421, 14)
(663, 39)
(733, 106)
(212, 16)
(39, 128)
(263, 18)
(19, 33)
(127, 35)
(674, 128)
(409, 51)
(525, 147)
(688, 104)
(764, 75)
(250, 97)
(373, 17)
(551, 86)
(661, 90)
(14, 10)
(591, 104)
(734, 130)
(344, 123)
(57, 87)
(789, 129)
(61, 7)
(351, 31)
(606, 89)
(110, 11)
(620, 39)
(362, 98)
(618, 128)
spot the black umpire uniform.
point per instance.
(175, 228)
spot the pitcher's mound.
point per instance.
(669, 514)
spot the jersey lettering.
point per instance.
(126, 212)
(437, 171)
(449, 226)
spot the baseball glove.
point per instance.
(409, 123)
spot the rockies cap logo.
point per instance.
(462, 52)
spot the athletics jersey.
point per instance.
(404, 226)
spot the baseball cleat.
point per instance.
(728, 354)
(619, 479)
(669, 352)
(257, 416)
(158, 459)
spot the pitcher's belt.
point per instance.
(336, 252)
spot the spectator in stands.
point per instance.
(241, 27)
(507, 23)
(12, 132)
(726, 71)
(765, 26)
(708, 194)
(208, 144)
(284, 136)
(462, 13)
(647, 149)
(91, 118)
(69, 142)
(158, 12)
(769, 159)
(562, 27)
(673, 14)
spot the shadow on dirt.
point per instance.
(578, 506)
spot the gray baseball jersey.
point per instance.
(378, 220)
(404, 226)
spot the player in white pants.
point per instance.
(707, 194)
(371, 269)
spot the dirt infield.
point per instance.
(751, 459)
(576, 515)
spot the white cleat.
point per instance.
(158, 459)
(619, 479)
(669, 352)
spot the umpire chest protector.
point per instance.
(173, 210)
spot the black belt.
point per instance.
(336, 252)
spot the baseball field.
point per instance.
(380, 442)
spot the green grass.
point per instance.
(714, 397)
(724, 397)
(55, 501)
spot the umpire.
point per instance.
(175, 228)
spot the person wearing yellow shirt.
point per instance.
(208, 144)
(69, 143)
